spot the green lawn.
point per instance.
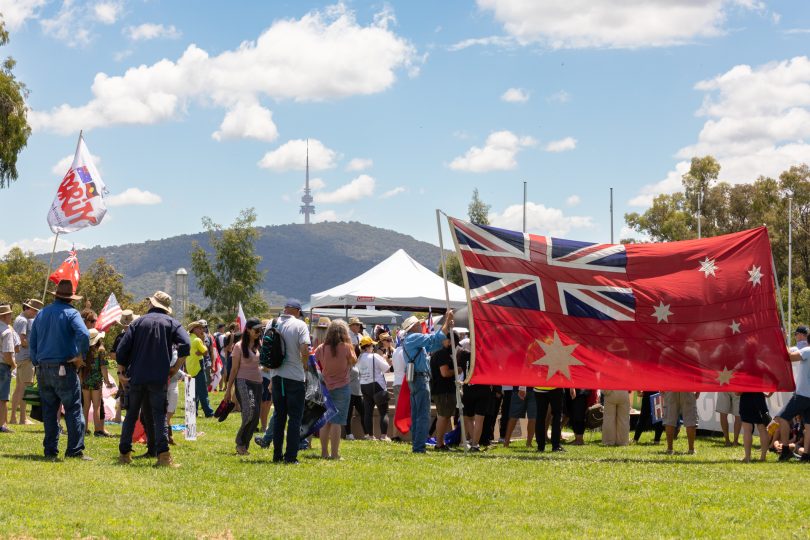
(382, 490)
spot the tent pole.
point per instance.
(459, 404)
(50, 265)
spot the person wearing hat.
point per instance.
(416, 347)
(246, 379)
(146, 352)
(320, 331)
(195, 367)
(127, 316)
(57, 344)
(799, 404)
(289, 381)
(93, 375)
(356, 328)
(8, 348)
(25, 369)
(373, 368)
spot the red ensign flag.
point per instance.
(696, 315)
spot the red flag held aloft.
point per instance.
(69, 269)
(697, 315)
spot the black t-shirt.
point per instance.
(440, 384)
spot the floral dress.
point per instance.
(93, 376)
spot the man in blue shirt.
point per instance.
(416, 347)
(146, 352)
(58, 340)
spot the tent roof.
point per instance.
(398, 282)
(368, 316)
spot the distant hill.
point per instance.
(299, 259)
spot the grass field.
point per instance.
(382, 490)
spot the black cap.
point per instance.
(802, 330)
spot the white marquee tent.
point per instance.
(398, 282)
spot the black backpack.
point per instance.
(271, 354)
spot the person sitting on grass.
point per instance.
(754, 412)
(247, 380)
(336, 357)
(94, 374)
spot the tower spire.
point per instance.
(306, 207)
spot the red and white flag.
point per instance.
(110, 315)
(69, 270)
(240, 318)
(79, 200)
(697, 315)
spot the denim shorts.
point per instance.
(798, 405)
(5, 381)
(341, 397)
(521, 408)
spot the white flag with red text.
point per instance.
(79, 201)
(240, 318)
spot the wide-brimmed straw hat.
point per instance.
(324, 322)
(409, 323)
(64, 290)
(355, 320)
(195, 324)
(95, 336)
(161, 300)
(127, 317)
(33, 303)
(5, 309)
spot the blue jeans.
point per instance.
(65, 390)
(288, 399)
(139, 394)
(420, 411)
(201, 394)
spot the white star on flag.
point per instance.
(735, 327)
(755, 274)
(662, 312)
(724, 377)
(708, 267)
(557, 357)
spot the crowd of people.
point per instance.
(58, 347)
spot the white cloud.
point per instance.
(16, 12)
(539, 219)
(61, 167)
(65, 27)
(292, 156)
(562, 145)
(359, 164)
(133, 197)
(497, 41)
(323, 55)
(247, 121)
(39, 245)
(315, 184)
(148, 31)
(515, 95)
(122, 55)
(559, 97)
(359, 188)
(575, 24)
(797, 31)
(757, 122)
(393, 192)
(108, 12)
(498, 153)
(573, 200)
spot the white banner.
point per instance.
(191, 410)
(79, 201)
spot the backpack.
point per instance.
(271, 354)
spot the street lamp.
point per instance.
(181, 293)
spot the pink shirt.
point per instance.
(335, 368)
(248, 367)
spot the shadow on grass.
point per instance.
(654, 459)
(32, 457)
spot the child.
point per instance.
(93, 374)
(754, 411)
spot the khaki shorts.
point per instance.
(680, 404)
(445, 404)
(25, 372)
(728, 403)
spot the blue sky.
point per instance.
(201, 108)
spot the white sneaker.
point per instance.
(349, 437)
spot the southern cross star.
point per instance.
(735, 327)
(662, 312)
(724, 377)
(557, 357)
(755, 275)
(708, 267)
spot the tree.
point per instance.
(22, 276)
(478, 211)
(97, 282)
(453, 270)
(233, 276)
(14, 128)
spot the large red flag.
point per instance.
(684, 316)
(69, 269)
(402, 408)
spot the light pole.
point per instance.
(700, 203)
(181, 291)
(790, 267)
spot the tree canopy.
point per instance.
(14, 128)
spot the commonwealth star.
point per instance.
(755, 275)
(708, 267)
(724, 377)
(735, 327)
(662, 312)
(557, 357)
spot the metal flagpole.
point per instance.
(524, 206)
(790, 267)
(459, 404)
(700, 203)
(50, 265)
(611, 215)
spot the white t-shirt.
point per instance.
(7, 340)
(22, 327)
(372, 369)
(399, 365)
